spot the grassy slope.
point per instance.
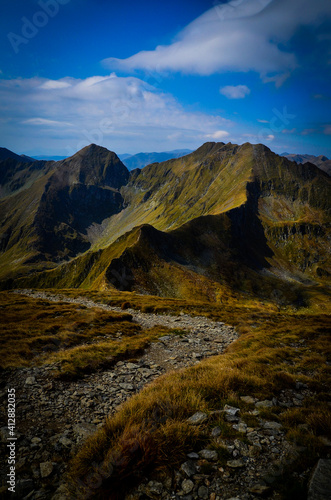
(281, 226)
(76, 339)
(274, 351)
(168, 194)
(266, 234)
(17, 213)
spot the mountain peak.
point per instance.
(94, 165)
(93, 149)
(5, 154)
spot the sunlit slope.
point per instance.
(19, 252)
(225, 219)
(210, 180)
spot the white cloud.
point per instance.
(235, 92)
(263, 121)
(44, 121)
(242, 35)
(219, 134)
(119, 113)
(270, 137)
(55, 84)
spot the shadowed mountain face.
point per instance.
(50, 205)
(6, 154)
(222, 219)
(83, 190)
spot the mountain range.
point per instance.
(140, 160)
(222, 220)
(320, 161)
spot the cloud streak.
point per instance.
(69, 113)
(243, 35)
(235, 91)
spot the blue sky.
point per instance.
(145, 76)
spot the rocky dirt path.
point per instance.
(54, 417)
(146, 320)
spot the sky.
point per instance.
(156, 76)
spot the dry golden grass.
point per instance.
(77, 338)
(270, 356)
(275, 350)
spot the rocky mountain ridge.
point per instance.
(320, 161)
(222, 218)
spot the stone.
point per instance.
(65, 441)
(235, 464)
(30, 380)
(187, 486)
(153, 489)
(320, 483)
(126, 387)
(198, 418)
(231, 410)
(216, 432)
(132, 366)
(241, 447)
(260, 490)
(203, 492)
(274, 426)
(300, 385)
(46, 469)
(193, 456)
(240, 427)
(247, 399)
(264, 404)
(84, 429)
(210, 455)
(35, 440)
(189, 468)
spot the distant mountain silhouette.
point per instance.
(140, 160)
(50, 158)
(321, 161)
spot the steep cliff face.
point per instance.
(82, 191)
(47, 207)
